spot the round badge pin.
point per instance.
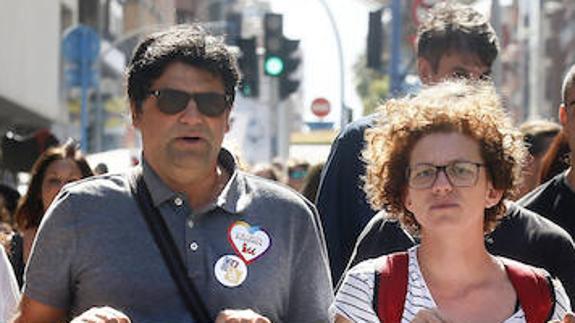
(230, 270)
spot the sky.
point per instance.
(308, 21)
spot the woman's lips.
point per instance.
(443, 206)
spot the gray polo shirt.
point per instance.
(258, 246)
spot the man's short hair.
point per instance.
(188, 44)
(568, 82)
(454, 27)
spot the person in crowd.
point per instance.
(9, 293)
(555, 199)
(556, 160)
(253, 249)
(55, 167)
(10, 238)
(101, 169)
(538, 135)
(268, 171)
(441, 163)
(296, 173)
(311, 182)
(457, 41)
(9, 198)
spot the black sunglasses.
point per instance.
(172, 101)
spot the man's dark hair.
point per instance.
(568, 82)
(188, 44)
(453, 27)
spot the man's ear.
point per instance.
(424, 70)
(563, 117)
(229, 120)
(134, 115)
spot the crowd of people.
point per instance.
(437, 208)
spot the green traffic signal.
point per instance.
(274, 66)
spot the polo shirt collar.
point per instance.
(233, 198)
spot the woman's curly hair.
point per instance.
(472, 108)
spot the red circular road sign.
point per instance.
(320, 107)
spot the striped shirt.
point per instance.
(354, 300)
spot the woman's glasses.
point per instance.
(459, 174)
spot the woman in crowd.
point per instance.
(9, 293)
(56, 167)
(442, 163)
(556, 159)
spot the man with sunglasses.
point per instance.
(246, 243)
(457, 41)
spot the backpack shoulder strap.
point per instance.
(390, 286)
(534, 289)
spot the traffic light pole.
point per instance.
(395, 59)
(344, 113)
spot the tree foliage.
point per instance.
(371, 86)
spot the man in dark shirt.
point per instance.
(555, 199)
(456, 41)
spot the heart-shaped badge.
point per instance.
(248, 242)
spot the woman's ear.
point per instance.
(407, 202)
(492, 196)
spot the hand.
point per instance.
(429, 316)
(102, 315)
(569, 318)
(240, 316)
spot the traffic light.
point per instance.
(273, 39)
(279, 61)
(288, 86)
(375, 40)
(248, 62)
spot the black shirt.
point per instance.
(554, 200)
(522, 235)
(341, 201)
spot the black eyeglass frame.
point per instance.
(443, 168)
(197, 97)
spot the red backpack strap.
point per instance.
(390, 287)
(534, 289)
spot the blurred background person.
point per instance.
(8, 200)
(56, 167)
(311, 182)
(556, 160)
(538, 136)
(100, 169)
(297, 171)
(269, 171)
(10, 239)
(9, 293)
(555, 199)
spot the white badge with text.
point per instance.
(230, 271)
(249, 242)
